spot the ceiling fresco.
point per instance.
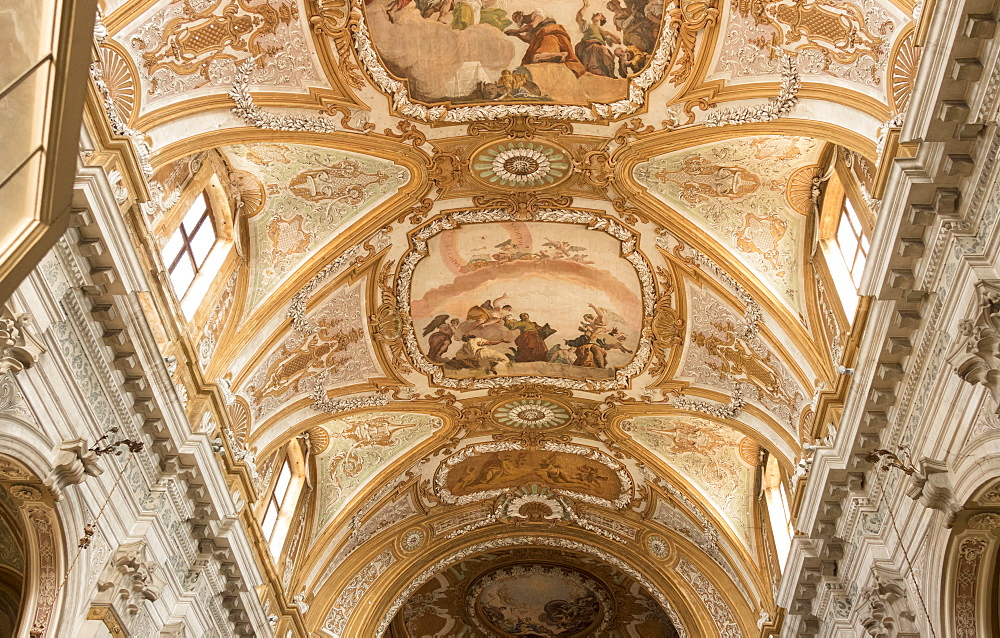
(476, 292)
(534, 593)
(309, 193)
(332, 352)
(752, 193)
(505, 51)
(529, 289)
(357, 449)
(718, 460)
(186, 48)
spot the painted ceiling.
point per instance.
(530, 285)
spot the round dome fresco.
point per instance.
(539, 600)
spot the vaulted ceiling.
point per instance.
(644, 198)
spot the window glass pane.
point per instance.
(23, 119)
(202, 242)
(270, 518)
(282, 485)
(18, 202)
(172, 248)
(840, 271)
(26, 35)
(194, 214)
(182, 276)
(865, 245)
(847, 240)
(857, 269)
(852, 215)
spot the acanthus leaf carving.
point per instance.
(976, 355)
(522, 206)
(931, 485)
(889, 614)
(129, 577)
(19, 347)
(73, 464)
(775, 108)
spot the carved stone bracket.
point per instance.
(890, 614)
(19, 347)
(129, 577)
(74, 463)
(931, 485)
(976, 356)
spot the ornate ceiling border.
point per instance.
(595, 112)
(419, 249)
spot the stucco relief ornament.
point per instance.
(522, 164)
(729, 410)
(531, 414)
(245, 108)
(776, 107)
(976, 354)
(19, 347)
(118, 126)
(657, 546)
(412, 540)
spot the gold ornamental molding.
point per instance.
(109, 617)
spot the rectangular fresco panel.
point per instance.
(524, 299)
(564, 51)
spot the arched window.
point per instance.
(845, 228)
(283, 499)
(196, 238)
(776, 497)
(188, 248)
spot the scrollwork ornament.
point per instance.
(332, 19)
(25, 493)
(387, 323)
(247, 110)
(668, 325)
(522, 206)
(521, 127)
(775, 108)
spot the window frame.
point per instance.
(287, 505)
(196, 299)
(842, 197)
(779, 512)
(186, 249)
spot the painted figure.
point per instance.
(441, 333)
(547, 41)
(531, 342)
(637, 28)
(469, 12)
(476, 353)
(594, 49)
